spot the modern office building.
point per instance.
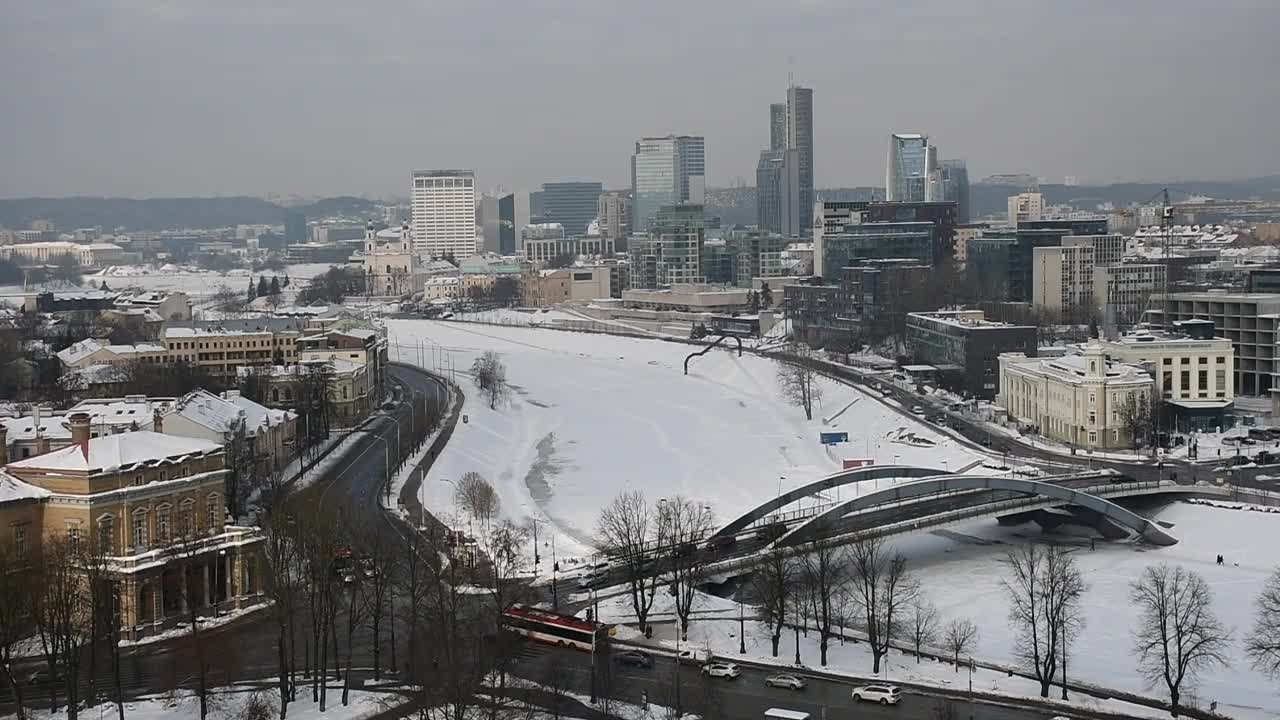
(864, 295)
(1002, 259)
(490, 222)
(614, 211)
(666, 171)
(572, 204)
(514, 213)
(874, 241)
(955, 187)
(835, 215)
(1062, 281)
(756, 256)
(965, 348)
(800, 139)
(1023, 207)
(1122, 291)
(911, 170)
(778, 126)
(443, 205)
(778, 199)
(1073, 399)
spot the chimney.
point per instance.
(157, 422)
(79, 428)
(4, 445)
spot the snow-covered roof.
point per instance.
(78, 351)
(12, 489)
(257, 415)
(340, 366)
(113, 453)
(25, 428)
(205, 408)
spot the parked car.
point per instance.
(635, 658)
(790, 682)
(918, 410)
(694, 657)
(721, 669)
(883, 694)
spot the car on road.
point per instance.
(635, 658)
(694, 657)
(918, 410)
(790, 682)
(883, 694)
(721, 669)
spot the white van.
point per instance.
(780, 714)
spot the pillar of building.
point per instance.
(209, 592)
(182, 589)
(235, 578)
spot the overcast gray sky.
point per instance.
(176, 97)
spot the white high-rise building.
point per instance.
(1027, 206)
(443, 204)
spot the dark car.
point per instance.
(634, 658)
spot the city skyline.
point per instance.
(197, 108)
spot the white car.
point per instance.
(883, 694)
(720, 669)
(790, 682)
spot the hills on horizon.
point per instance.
(732, 205)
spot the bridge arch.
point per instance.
(844, 477)
(817, 525)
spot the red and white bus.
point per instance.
(554, 628)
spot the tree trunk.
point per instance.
(822, 646)
(284, 676)
(776, 638)
(796, 628)
(377, 642)
(323, 667)
(1173, 701)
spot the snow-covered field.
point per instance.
(593, 415)
(196, 283)
(229, 702)
(961, 571)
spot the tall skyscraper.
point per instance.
(778, 126)
(513, 214)
(667, 170)
(955, 187)
(911, 169)
(800, 139)
(572, 204)
(490, 222)
(443, 204)
(778, 192)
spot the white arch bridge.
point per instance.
(935, 497)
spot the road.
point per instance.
(744, 697)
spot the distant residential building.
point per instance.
(800, 140)
(222, 347)
(513, 214)
(84, 353)
(614, 210)
(328, 234)
(671, 253)
(1075, 399)
(169, 305)
(541, 288)
(90, 255)
(911, 170)
(966, 348)
(219, 418)
(778, 196)
(1124, 290)
(757, 256)
(666, 171)
(1194, 371)
(1062, 281)
(572, 204)
(42, 430)
(1023, 207)
(350, 387)
(443, 204)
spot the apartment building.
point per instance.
(42, 430)
(1076, 399)
(218, 418)
(350, 385)
(154, 502)
(84, 353)
(1124, 290)
(223, 348)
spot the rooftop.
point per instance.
(116, 453)
(205, 408)
(11, 489)
(972, 319)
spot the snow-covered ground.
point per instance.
(961, 571)
(593, 415)
(206, 623)
(194, 282)
(229, 702)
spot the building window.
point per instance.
(1186, 361)
(212, 510)
(1168, 361)
(186, 512)
(162, 524)
(1221, 359)
(137, 479)
(73, 537)
(1202, 360)
(1093, 437)
(140, 530)
(20, 540)
(106, 532)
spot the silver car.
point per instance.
(789, 682)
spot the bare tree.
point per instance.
(960, 637)
(477, 497)
(773, 583)
(1263, 645)
(380, 550)
(62, 609)
(922, 623)
(284, 580)
(799, 382)
(490, 375)
(506, 550)
(1045, 588)
(883, 589)
(627, 530)
(1177, 635)
(15, 614)
(104, 593)
(684, 523)
(826, 571)
(1139, 413)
